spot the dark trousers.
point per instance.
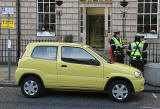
(138, 64)
(119, 58)
(144, 55)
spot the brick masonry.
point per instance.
(69, 18)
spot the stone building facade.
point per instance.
(89, 21)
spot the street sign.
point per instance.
(7, 11)
(8, 24)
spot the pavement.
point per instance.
(5, 82)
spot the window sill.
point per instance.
(150, 35)
(46, 33)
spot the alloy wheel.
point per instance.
(30, 87)
(120, 91)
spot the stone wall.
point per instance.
(70, 19)
(28, 19)
(130, 18)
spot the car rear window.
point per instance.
(45, 52)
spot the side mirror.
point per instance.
(94, 62)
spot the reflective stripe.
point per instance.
(113, 44)
(129, 50)
(143, 42)
(135, 51)
(117, 44)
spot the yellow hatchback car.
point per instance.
(71, 66)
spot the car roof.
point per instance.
(55, 44)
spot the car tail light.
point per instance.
(22, 54)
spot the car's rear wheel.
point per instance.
(119, 91)
(31, 87)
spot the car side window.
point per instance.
(76, 55)
(45, 52)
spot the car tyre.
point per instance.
(120, 91)
(31, 87)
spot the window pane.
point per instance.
(40, 17)
(41, 27)
(109, 17)
(52, 27)
(46, 0)
(46, 26)
(154, 28)
(109, 30)
(140, 8)
(52, 0)
(52, 18)
(154, 7)
(82, 11)
(154, 19)
(147, 0)
(82, 0)
(46, 7)
(52, 7)
(40, 7)
(81, 29)
(109, 24)
(45, 53)
(154, 0)
(140, 19)
(40, 0)
(46, 17)
(89, 0)
(81, 22)
(147, 28)
(146, 19)
(140, 0)
(75, 53)
(140, 28)
(46, 22)
(147, 7)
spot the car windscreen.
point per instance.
(101, 55)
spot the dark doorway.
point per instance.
(95, 30)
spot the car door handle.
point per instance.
(63, 65)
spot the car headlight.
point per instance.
(138, 74)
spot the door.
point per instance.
(95, 30)
(44, 59)
(77, 72)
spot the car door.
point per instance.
(79, 69)
(44, 59)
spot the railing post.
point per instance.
(156, 52)
(153, 52)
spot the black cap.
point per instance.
(142, 36)
(137, 38)
(117, 32)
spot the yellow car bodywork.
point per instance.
(75, 76)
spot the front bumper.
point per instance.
(138, 84)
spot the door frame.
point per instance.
(85, 35)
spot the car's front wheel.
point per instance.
(119, 91)
(31, 87)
